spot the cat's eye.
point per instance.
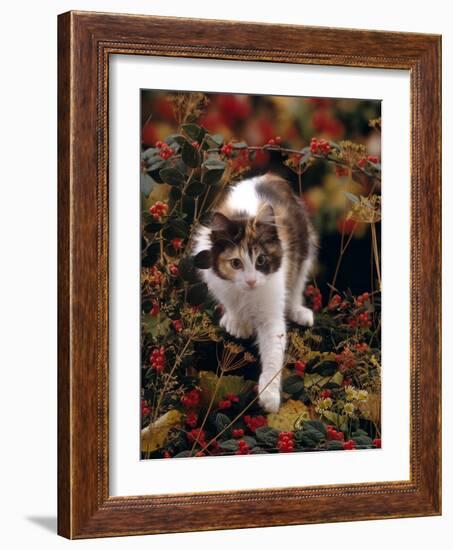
(236, 263)
(261, 260)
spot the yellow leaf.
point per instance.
(290, 414)
(154, 435)
(210, 383)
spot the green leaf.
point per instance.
(146, 183)
(195, 188)
(211, 177)
(326, 368)
(251, 441)
(214, 163)
(183, 454)
(194, 131)
(148, 153)
(176, 228)
(175, 138)
(187, 269)
(197, 294)
(363, 441)
(215, 140)
(240, 145)
(316, 425)
(156, 325)
(334, 445)
(293, 384)
(230, 445)
(154, 163)
(175, 193)
(267, 436)
(359, 433)
(172, 176)
(222, 421)
(190, 155)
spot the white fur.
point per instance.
(259, 310)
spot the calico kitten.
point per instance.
(256, 253)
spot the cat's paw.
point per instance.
(270, 399)
(302, 316)
(236, 327)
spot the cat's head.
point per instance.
(245, 250)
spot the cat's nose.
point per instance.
(251, 282)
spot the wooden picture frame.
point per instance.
(85, 41)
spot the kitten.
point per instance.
(256, 254)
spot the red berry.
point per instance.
(176, 243)
(271, 142)
(158, 359)
(278, 140)
(300, 367)
(159, 144)
(349, 445)
(362, 162)
(155, 309)
(377, 443)
(325, 394)
(224, 404)
(237, 433)
(177, 325)
(191, 419)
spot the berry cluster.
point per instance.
(364, 160)
(285, 443)
(173, 269)
(275, 141)
(362, 320)
(361, 346)
(316, 297)
(334, 302)
(237, 433)
(197, 434)
(334, 435)
(363, 299)
(243, 449)
(191, 419)
(227, 149)
(341, 171)
(157, 359)
(165, 151)
(226, 403)
(345, 359)
(158, 210)
(320, 147)
(191, 398)
(177, 325)
(299, 367)
(325, 394)
(349, 445)
(145, 408)
(255, 422)
(176, 243)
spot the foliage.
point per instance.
(199, 392)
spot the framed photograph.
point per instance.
(249, 275)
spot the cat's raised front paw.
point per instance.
(235, 327)
(270, 400)
(302, 316)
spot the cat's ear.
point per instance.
(203, 260)
(265, 215)
(219, 222)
